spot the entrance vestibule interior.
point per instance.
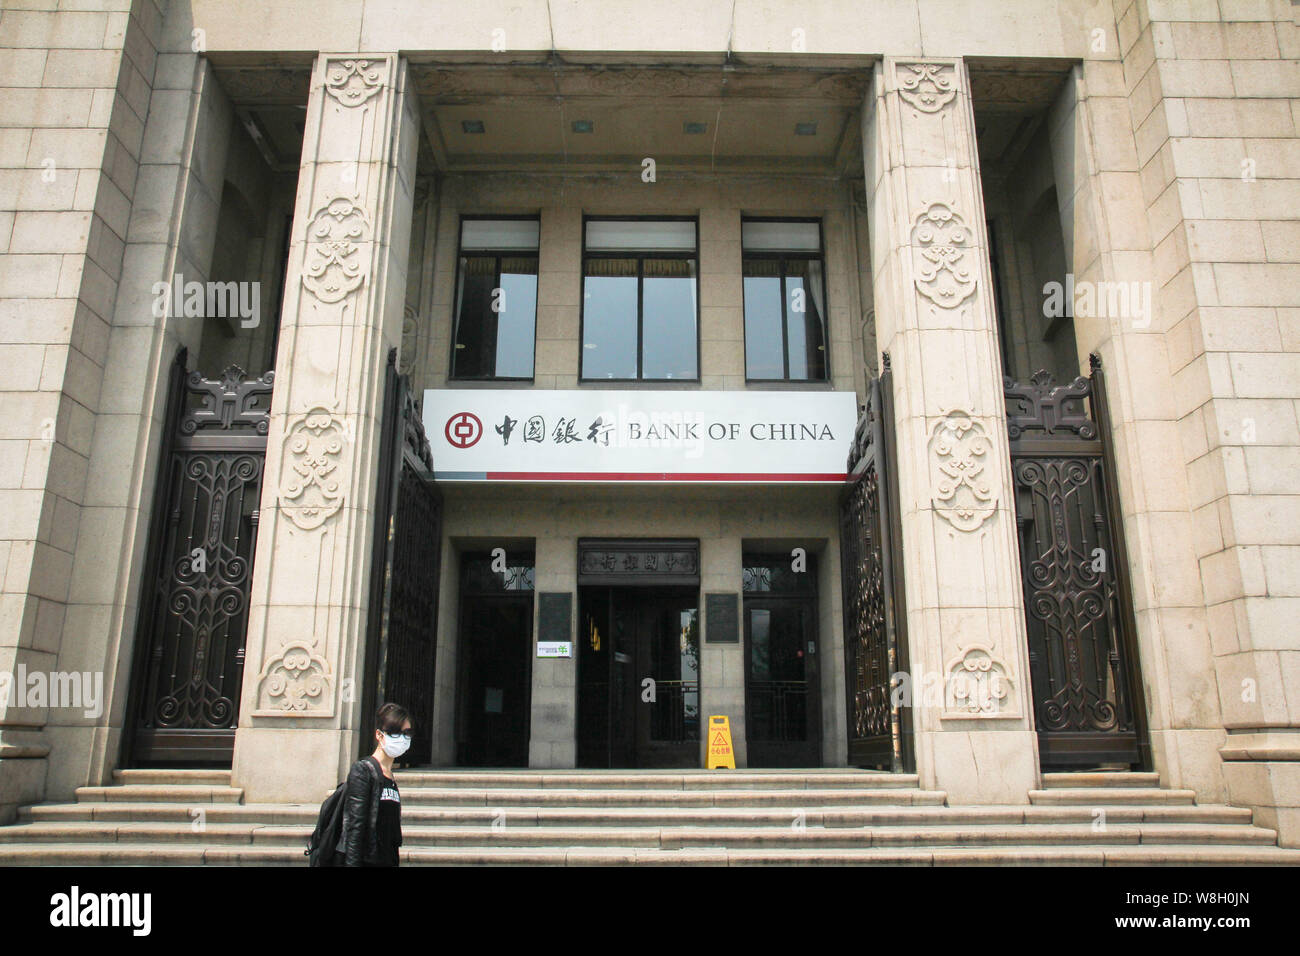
(638, 676)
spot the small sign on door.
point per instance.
(554, 648)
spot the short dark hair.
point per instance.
(390, 718)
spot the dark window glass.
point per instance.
(496, 314)
(675, 663)
(778, 678)
(776, 575)
(785, 313)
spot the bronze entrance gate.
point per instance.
(875, 624)
(1087, 697)
(402, 627)
(193, 615)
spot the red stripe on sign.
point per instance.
(659, 476)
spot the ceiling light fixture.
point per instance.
(471, 126)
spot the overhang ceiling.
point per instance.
(1012, 98)
(707, 119)
(751, 117)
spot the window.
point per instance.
(496, 299)
(785, 300)
(639, 300)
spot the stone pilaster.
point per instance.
(722, 665)
(343, 309)
(1208, 97)
(935, 316)
(553, 721)
(74, 97)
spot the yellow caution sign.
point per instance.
(721, 753)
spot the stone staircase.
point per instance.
(574, 817)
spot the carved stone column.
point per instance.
(343, 304)
(935, 315)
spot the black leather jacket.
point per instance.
(361, 813)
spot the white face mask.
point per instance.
(395, 744)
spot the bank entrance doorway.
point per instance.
(782, 673)
(638, 654)
(639, 677)
(494, 699)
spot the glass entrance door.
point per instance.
(668, 706)
(639, 677)
(494, 686)
(497, 691)
(782, 686)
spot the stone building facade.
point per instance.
(977, 190)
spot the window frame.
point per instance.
(782, 257)
(640, 256)
(498, 254)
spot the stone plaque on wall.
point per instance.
(553, 609)
(648, 561)
(722, 619)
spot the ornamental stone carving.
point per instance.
(315, 448)
(352, 82)
(943, 256)
(335, 267)
(959, 449)
(927, 86)
(409, 356)
(978, 684)
(294, 682)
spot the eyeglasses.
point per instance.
(398, 733)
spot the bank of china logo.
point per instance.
(463, 429)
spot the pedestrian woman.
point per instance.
(372, 810)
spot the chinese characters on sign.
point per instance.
(667, 562)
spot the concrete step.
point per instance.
(172, 834)
(146, 854)
(1103, 778)
(1105, 796)
(518, 796)
(65, 854)
(160, 793)
(124, 812)
(658, 837)
(512, 817)
(219, 778)
(813, 815)
(655, 780)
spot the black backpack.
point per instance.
(323, 847)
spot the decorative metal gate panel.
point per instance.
(194, 604)
(1082, 638)
(875, 625)
(405, 569)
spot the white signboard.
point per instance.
(554, 648)
(639, 436)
